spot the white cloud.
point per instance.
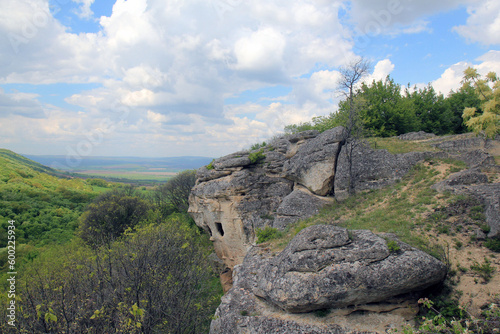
(380, 71)
(483, 23)
(19, 103)
(163, 69)
(261, 51)
(373, 17)
(84, 11)
(452, 76)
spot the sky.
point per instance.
(163, 78)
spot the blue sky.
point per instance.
(174, 78)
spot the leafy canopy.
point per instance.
(485, 119)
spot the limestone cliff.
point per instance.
(290, 179)
(367, 285)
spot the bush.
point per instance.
(157, 280)
(173, 196)
(110, 214)
(493, 244)
(256, 156)
(267, 233)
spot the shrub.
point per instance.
(157, 280)
(257, 156)
(493, 244)
(393, 246)
(110, 214)
(174, 194)
(485, 270)
(267, 233)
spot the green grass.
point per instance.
(400, 209)
(396, 146)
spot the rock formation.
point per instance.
(367, 282)
(295, 176)
(326, 267)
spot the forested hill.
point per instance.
(14, 160)
(45, 205)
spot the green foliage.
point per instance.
(210, 166)
(267, 233)
(485, 119)
(463, 322)
(256, 157)
(484, 270)
(110, 214)
(98, 183)
(155, 280)
(393, 246)
(257, 146)
(493, 244)
(174, 194)
(385, 110)
(45, 207)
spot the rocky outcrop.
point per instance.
(420, 135)
(313, 165)
(374, 169)
(288, 180)
(475, 183)
(326, 267)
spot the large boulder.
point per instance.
(249, 308)
(313, 166)
(327, 267)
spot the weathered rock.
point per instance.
(235, 196)
(476, 158)
(461, 145)
(232, 206)
(324, 267)
(473, 182)
(463, 178)
(241, 311)
(300, 203)
(421, 135)
(489, 194)
(313, 165)
(374, 169)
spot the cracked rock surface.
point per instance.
(325, 267)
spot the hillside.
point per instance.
(439, 195)
(44, 203)
(21, 161)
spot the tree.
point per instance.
(110, 214)
(465, 97)
(354, 131)
(155, 280)
(486, 119)
(173, 196)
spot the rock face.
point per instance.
(325, 267)
(297, 176)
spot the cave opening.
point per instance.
(219, 229)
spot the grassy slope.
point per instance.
(45, 207)
(443, 225)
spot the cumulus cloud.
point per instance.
(373, 17)
(452, 76)
(84, 10)
(19, 103)
(164, 69)
(483, 23)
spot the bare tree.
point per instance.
(354, 132)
